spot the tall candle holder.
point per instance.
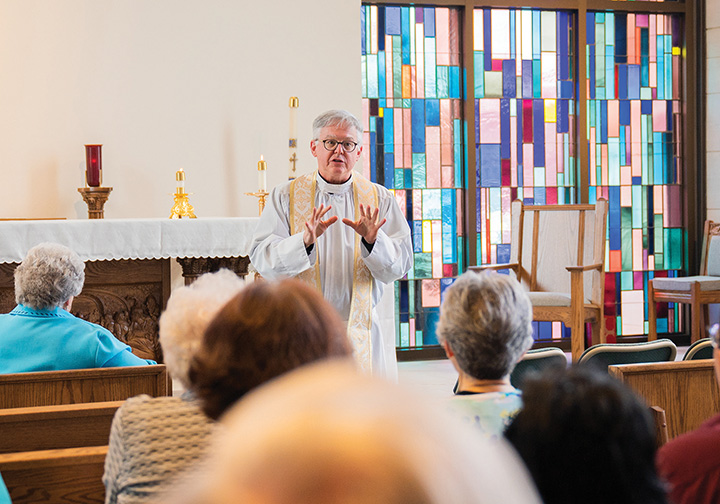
(292, 141)
(181, 206)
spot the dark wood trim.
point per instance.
(430, 352)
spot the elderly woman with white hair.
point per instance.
(153, 439)
(485, 328)
(40, 334)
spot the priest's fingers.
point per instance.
(351, 223)
(321, 211)
(331, 220)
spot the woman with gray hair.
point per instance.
(40, 334)
(152, 439)
(485, 328)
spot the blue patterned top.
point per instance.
(53, 339)
(491, 412)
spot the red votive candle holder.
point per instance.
(93, 165)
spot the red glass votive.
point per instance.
(93, 165)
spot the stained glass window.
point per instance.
(525, 122)
(633, 115)
(412, 89)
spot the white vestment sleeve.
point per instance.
(274, 252)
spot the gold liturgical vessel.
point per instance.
(182, 207)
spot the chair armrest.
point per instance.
(582, 269)
(494, 267)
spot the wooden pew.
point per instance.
(72, 475)
(82, 385)
(56, 427)
(686, 390)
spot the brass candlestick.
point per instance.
(95, 198)
(181, 207)
(261, 195)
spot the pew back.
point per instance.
(72, 475)
(55, 427)
(686, 390)
(82, 385)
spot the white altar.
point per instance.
(114, 239)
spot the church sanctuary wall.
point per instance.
(164, 84)
(712, 21)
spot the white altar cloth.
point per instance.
(112, 239)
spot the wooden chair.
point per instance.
(558, 253)
(605, 355)
(687, 390)
(45, 388)
(697, 291)
(535, 361)
(56, 427)
(69, 476)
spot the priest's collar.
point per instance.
(325, 186)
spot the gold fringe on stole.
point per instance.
(302, 201)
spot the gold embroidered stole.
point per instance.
(302, 201)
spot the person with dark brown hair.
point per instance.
(269, 328)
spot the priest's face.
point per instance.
(337, 151)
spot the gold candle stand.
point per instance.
(181, 207)
(95, 198)
(261, 195)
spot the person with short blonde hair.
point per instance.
(153, 439)
(40, 333)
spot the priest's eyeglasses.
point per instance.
(347, 145)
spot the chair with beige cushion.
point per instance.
(697, 291)
(558, 253)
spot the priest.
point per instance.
(340, 232)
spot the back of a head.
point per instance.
(48, 276)
(269, 328)
(188, 313)
(586, 437)
(486, 320)
(327, 434)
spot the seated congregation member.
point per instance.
(269, 328)
(690, 463)
(153, 439)
(586, 437)
(327, 434)
(40, 334)
(485, 328)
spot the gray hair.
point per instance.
(189, 311)
(486, 320)
(48, 277)
(341, 118)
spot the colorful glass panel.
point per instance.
(412, 112)
(524, 75)
(633, 122)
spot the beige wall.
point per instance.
(713, 105)
(164, 84)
